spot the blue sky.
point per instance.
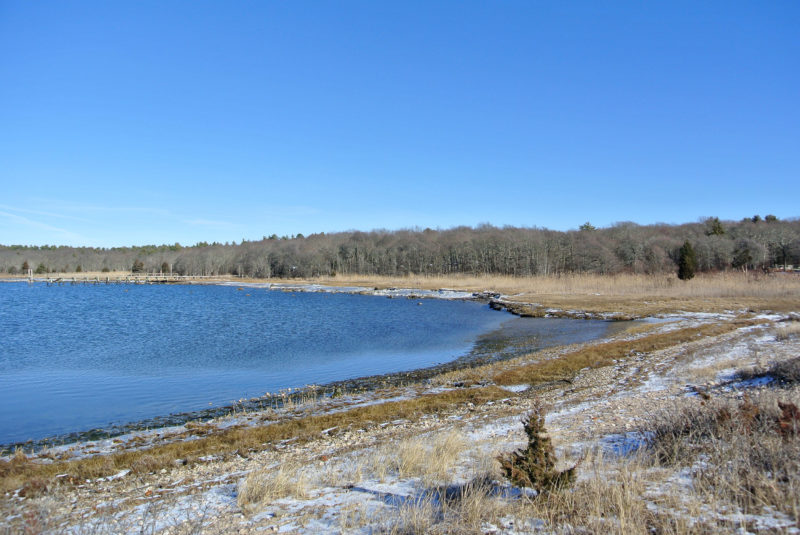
(154, 122)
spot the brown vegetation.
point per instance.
(749, 448)
(622, 295)
(19, 470)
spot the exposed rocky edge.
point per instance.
(534, 310)
(391, 293)
(495, 300)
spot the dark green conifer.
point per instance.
(687, 262)
(714, 227)
(535, 466)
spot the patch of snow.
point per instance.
(569, 411)
(654, 383)
(516, 388)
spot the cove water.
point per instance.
(78, 357)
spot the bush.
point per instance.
(41, 268)
(535, 466)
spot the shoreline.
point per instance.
(515, 304)
(477, 356)
(496, 300)
(339, 447)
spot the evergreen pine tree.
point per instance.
(687, 262)
(535, 466)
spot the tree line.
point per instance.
(752, 243)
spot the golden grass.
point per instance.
(430, 459)
(790, 330)
(568, 365)
(623, 294)
(19, 471)
(728, 284)
(268, 484)
(608, 499)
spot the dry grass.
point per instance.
(728, 284)
(19, 471)
(457, 509)
(613, 293)
(267, 484)
(748, 450)
(417, 515)
(353, 517)
(788, 331)
(786, 372)
(430, 459)
(608, 499)
(568, 365)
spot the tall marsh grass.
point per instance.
(729, 284)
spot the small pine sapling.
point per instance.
(535, 466)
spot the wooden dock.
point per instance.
(133, 278)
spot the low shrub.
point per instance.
(535, 466)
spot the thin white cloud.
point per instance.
(41, 213)
(24, 221)
(102, 208)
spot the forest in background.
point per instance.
(752, 243)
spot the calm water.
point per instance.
(74, 358)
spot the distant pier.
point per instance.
(134, 278)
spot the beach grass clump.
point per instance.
(429, 458)
(788, 331)
(265, 485)
(457, 509)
